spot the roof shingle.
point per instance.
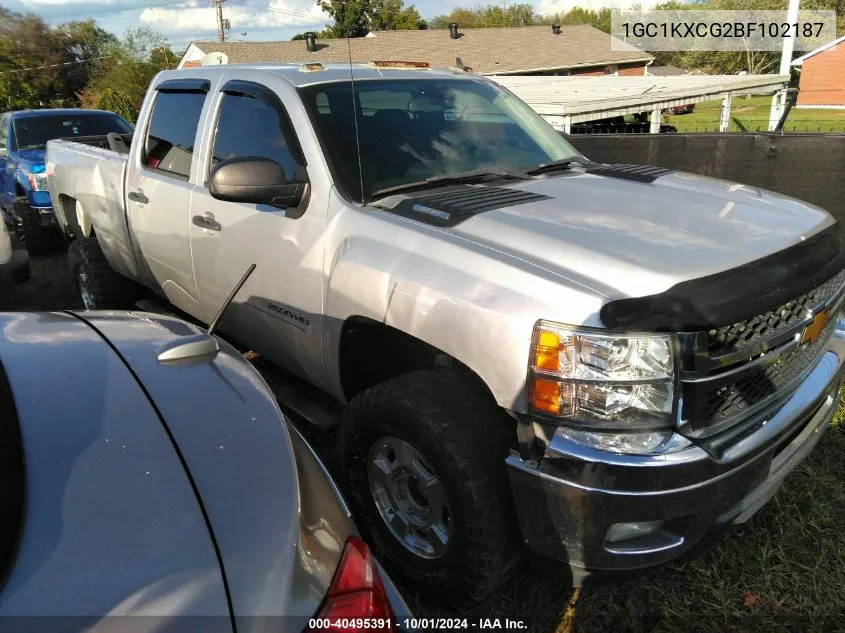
(515, 50)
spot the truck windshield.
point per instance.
(412, 130)
(34, 131)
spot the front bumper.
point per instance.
(568, 502)
(46, 216)
(40, 208)
(15, 271)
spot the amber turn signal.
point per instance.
(545, 395)
(547, 351)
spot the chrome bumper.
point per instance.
(568, 503)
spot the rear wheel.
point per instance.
(99, 286)
(424, 456)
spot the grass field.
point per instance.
(752, 115)
(784, 570)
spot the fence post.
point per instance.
(655, 121)
(725, 114)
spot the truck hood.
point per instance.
(28, 157)
(624, 238)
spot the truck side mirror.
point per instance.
(255, 180)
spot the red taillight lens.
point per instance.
(356, 594)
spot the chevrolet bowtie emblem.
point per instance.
(814, 329)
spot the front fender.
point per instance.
(476, 304)
(21, 180)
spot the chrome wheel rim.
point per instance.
(409, 497)
(85, 291)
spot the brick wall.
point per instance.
(629, 70)
(587, 72)
(632, 71)
(823, 78)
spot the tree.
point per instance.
(83, 45)
(326, 33)
(356, 18)
(122, 79)
(597, 19)
(489, 16)
(732, 62)
(29, 58)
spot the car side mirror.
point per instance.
(254, 180)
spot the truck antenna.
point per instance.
(199, 348)
(229, 300)
(355, 119)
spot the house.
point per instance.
(664, 71)
(528, 50)
(822, 83)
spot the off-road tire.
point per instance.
(106, 288)
(35, 238)
(461, 433)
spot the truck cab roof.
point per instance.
(19, 114)
(309, 73)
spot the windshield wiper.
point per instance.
(466, 177)
(557, 165)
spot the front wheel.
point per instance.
(35, 238)
(424, 456)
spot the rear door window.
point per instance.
(169, 144)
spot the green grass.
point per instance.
(784, 570)
(752, 114)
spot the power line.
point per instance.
(306, 16)
(78, 61)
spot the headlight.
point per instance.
(38, 182)
(602, 381)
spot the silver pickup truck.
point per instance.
(600, 363)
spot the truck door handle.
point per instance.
(206, 221)
(138, 196)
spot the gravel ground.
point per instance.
(50, 288)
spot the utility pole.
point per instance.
(779, 100)
(221, 31)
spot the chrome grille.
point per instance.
(741, 369)
(731, 399)
(734, 337)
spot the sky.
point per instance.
(181, 21)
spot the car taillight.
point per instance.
(356, 599)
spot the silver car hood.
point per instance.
(278, 527)
(629, 239)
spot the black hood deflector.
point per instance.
(449, 206)
(736, 294)
(624, 171)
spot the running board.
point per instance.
(300, 398)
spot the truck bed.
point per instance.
(99, 140)
(86, 183)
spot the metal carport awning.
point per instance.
(563, 101)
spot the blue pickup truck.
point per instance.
(23, 180)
